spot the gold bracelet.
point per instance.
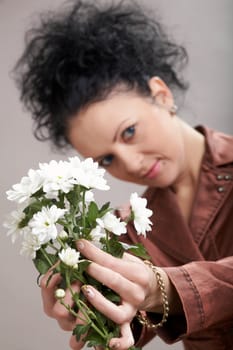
(143, 319)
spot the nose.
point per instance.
(130, 160)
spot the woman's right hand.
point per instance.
(54, 309)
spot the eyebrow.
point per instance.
(119, 127)
(114, 139)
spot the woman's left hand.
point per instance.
(130, 278)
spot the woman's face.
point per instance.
(133, 138)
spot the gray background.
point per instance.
(205, 28)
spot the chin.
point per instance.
(162, 182)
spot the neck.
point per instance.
(194, 145)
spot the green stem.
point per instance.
(98, 330)
(46, 256)
(83, 210)
(61, 243)
(69, 308)
(82, 307)
(87, 319)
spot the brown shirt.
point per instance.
(198, 257)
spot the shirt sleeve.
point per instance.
(205, 289)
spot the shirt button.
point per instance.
(220, 177)
(228, 177)
(221, 189)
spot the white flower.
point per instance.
(12, 224)
(30, 245)
(28, 185)
(69, 256)
(111, 223)
(43, 223)
(60, 293)
(63, 235)
(89, 196)
(57, 177)
(88, 174)
(96, 234)
(141, 214)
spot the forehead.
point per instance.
(99, 121)
(118, 103)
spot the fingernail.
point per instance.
(87, 292)
(80, 245)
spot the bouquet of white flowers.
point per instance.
(55, 208)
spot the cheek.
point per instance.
(119, 173)
(178, 156)
(116, 172)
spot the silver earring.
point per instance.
(173, 109)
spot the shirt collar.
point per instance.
(218, 147)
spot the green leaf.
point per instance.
(42, 264)
(139, 250)
(93, 212)
(114, 247)
(112, 296)
(62, 284)
(74, 196)
(78, 274)
(33, 207)
(92, 281)
(94, 339)
(29, 211)
(61, 198)
(116, 330)
(104, 208)
(100, 319)
(39, 193)
(80, 329)
(83, 265)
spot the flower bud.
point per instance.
(63, 235)
(60, 293)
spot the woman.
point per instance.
(103, 79)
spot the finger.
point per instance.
(117, 313)
(125, 341)
(127, 289)
(74, 343)
(48, 286)
(132, 258)
(125, 267)
(124, 211)
(64, 318)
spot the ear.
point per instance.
(161, 92)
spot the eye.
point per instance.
(106, 161)
(128, 133)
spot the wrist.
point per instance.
(155, 299)
(175, 305)
(162, 283)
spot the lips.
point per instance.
(153, 171)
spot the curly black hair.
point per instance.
(78, 54)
